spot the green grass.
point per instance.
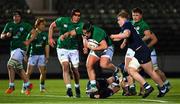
(56, 94)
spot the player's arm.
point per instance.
(6, 33)
(126, 33)
(123, 44)
(67, 34)
(50, 36)
(47, 52)
(33, 34)
(85, 42)
(150, 36)
(102, 46)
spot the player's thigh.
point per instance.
(41, 60)
(91, 60)
(33, 60)
(74, 58)
(62, 55)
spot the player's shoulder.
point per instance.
(10, 23)
(144, 23)
(98, 29)
(25, 23)
(64, 18)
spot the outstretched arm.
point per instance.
(67, 34)
(51, 31)
(120, 36)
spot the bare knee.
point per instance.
(104, 65)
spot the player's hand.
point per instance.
(112, 36)
(3, 36)
(9, 34)
(122, 45)
(85, 50)
(62, 37)
(27, 42)
(46, 60)
(52, 42)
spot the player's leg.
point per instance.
(42, 70)
(42, 78)
(28, 86)
(148, 67)
(132, 70)
(64, 61)
(11, 73)
(30, 67)
(11, 65)
(157, 70)
(91, 60)
(74, 57)
(105, 63)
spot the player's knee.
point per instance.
(104, 64)
(76, 66)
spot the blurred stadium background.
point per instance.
(163, 16)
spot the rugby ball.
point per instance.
(92, 43)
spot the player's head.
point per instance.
(87, 29)
(137, 14)
(17, 16)
(40, 24)
(122, 17)
(75, 15)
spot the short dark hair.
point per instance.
(123, 13)
(88, 26)
(17, 13)
(137, 10)
(74, 11)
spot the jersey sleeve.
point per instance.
(145, 27)
(6, 28)
(29, 27)
(127, 26)
(58, 21)
(46, 42)
(79, 30)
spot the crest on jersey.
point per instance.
(44, 38)
(65, 25)
(10, 29)
(21, 28)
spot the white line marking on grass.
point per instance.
(52, 96)
(159, 101)
(55, 96)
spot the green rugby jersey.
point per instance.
(64, 24)
(98, 34)
(19, 33)
(37, 46)
(141, 26)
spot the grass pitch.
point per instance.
(56, 93)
